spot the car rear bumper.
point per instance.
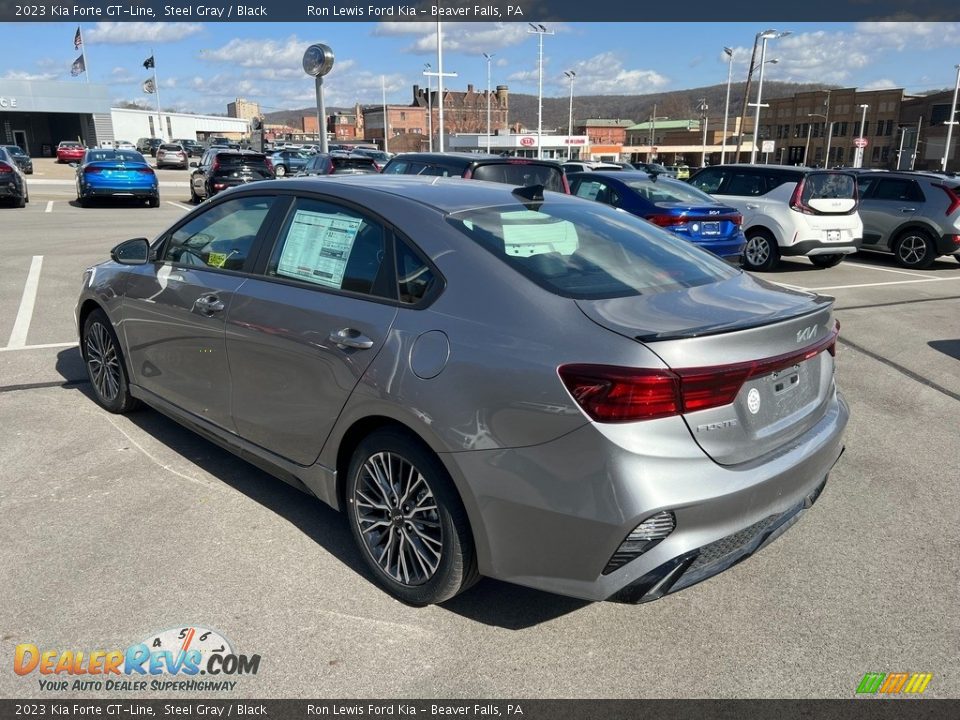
(10, 190)
(552, 516)
(144, 192)
(730, 249)
(948, 244)
(818, 247)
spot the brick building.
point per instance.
(604, 131)
(245, 109)
(346, 126)
(466, 112)
(922, 133)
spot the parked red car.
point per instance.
(70, 151)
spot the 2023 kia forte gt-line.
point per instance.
(487, 380)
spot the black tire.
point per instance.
(83, 202)
(153, 202)
(914, 249)
(826, 261)
(20, 202)
(194, 198)
(761, 252)
(442, 561)
(105, 365)
(957, 257)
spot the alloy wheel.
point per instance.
(398, 518)
(103, 362)
(757, 251)
(912, 249)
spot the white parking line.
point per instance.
(881, 284)
(45, 346)
(882, 269)
(21, 326)
(182, 207)
(49, 206)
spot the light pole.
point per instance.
(489, 57)
(764, 36)
(386, 122)
(318, 61)
(571, 76)
(440, 74)
(426, 71)
(726, 107)
(950, 123)
(703, 117)
(858, 161)
(806, 149)
(540, 31)
(653, 133)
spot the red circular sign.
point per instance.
(861, 142)
(528, 141)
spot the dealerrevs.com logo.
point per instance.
(184, 658)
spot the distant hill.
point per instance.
(677, 104)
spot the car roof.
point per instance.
(777, 168)
(466, 158)
(444, 194)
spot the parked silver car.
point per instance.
(915, 216)
(487, 379)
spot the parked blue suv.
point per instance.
(671, 204)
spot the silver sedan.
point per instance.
(486, 380)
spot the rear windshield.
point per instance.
(70, 144)
(241, 160)
(521, 174)
(587, 252)
(342, 163)
(126, 156)
(170, 147)
(821, 186)
(666, 191)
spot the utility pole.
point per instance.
(746, 96)
(489, 57)
(539, 30)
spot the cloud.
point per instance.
(605, 74)
(26, 75)
(471, 38)
(126, 33)
(883, 84)
(121, 76)
(259, 53)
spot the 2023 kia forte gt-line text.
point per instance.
(486, 379)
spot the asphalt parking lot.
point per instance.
(115, 528)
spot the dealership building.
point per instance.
(559, 147)
(37, 115)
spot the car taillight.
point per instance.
(614, 394)
(5, 168)
(667, 220)
(269, 163)
(736, 219)
(144, 171)
(952, 196)
(796, 200)
(216, 165)
(92, 169)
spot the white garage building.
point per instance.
(134, 124)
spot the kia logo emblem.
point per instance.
(528, 141)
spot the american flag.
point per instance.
(77, 39)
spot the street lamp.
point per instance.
(950, 123)
(426, 71)
(764, 36)
(653, 133)
(703, 107)
(318, 61)
(571, 76)
(539, 30)
(386, 121)
(489, 57)
(858, 162)
(726, 108)
(806, 148)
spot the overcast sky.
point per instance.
(202, 66)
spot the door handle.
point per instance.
(906, 210)
(208, 304)
(750, 206)
(350, 338)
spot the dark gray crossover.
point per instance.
(486, 379)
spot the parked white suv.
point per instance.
(789, 211)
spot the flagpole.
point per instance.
(83, 52)
(156, 89)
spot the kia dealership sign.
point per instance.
(528, 141)
(575, 141)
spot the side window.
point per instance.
(594, 190)
(414, 277)
(899, 190)
(438, 170)
(746, 184)
(332, 247)
(864, 183)
(709, 180)
(396, 168)
(221, 237)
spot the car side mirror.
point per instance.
(131, 252)
(74, 164)
(194, 164)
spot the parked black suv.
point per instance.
(493, 168)
(194, 148)
(220, 169)
(148, 145)
(339, 164)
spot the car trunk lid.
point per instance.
(769, 351)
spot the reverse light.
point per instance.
(613, 394)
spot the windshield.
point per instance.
(666, 191)
(587, 252)
(111, 155)
(14, 150)
(519, 173)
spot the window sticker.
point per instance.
(317, 247)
